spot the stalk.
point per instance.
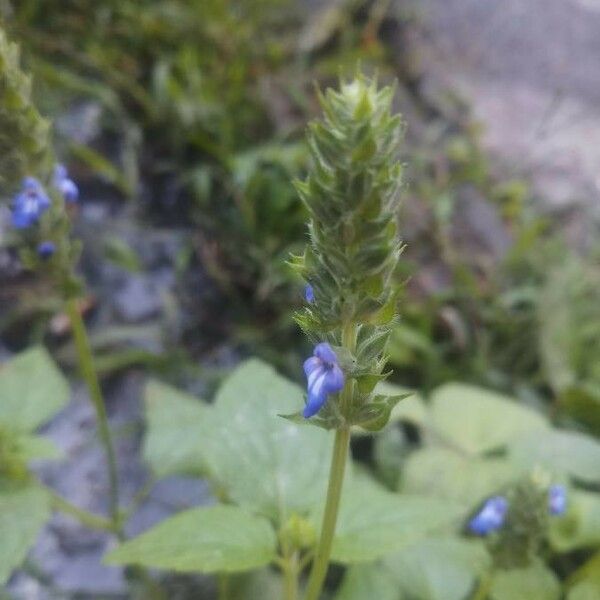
(90, 376)
(334, 489)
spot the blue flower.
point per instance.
(46, 249)
(29, 204)
(324, 377)
(490, 517)
(65, 185)
(309, 293)
(557, 499)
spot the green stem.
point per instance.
(88, 372)
(484, 587)
(90, 520)
(290, 576)
(223, 585)
(336, 481)
(334, 493)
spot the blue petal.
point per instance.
(490, 517)
(69, 190)
(21, 220)
(334, 380)
(46, 250)
(325, 352)
(310, 364)
(309, 293)
(557, 499)
(314, 403)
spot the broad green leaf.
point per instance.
(447, 474)
(585, 590)
(265, 584)
(580, 527)
(174, 435)
(23, 512)
(368, 581)
(536, 582)
(206, 540)
(478, 420)
(35, 447)
(439, 569)
(560, 452)
(260, 460)
(32, 390)
(374, 522)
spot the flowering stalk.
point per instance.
(41, 211)
(350, 270)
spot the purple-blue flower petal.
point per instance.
(309, 293)
(310, 364)
(557, 499)
(490, 517)
(334, 380)
(325, 352)
(46, 249)
(314, 403)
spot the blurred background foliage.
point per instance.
(192, 114)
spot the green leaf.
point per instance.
(375, 415)
(560, 452)
(260, 460)
(439, 569)
(585, 590)
(174, 435)
(412, 409)
(479, 420)
(23, 512)
(35, 447)
(536, 582)
(374, 522)
(206, 540)
(448, 474)
(368, 581)
(264, 584)
(32, 390)
(580, 527)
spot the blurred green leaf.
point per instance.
(560, 452)
(580, 526)
(32, 390)
(448, 474)
(23, 512)
(368, 581)
(536, 582)
(374, 522)
(260, 460)
(478, 420)
(439, 569)
(174, 436)
(207, 540)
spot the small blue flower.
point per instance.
(29, 204)
(65, 185)
(324, 377)
(309, 293)
(46, 249)
(490, 517)
(557, 499)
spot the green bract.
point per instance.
(24, 145)
(351, 263)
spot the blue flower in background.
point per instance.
(324, 377)
(309, 293)
(557, 499)
(29, 204)
(46, 249)
(65, 185)
(490, 517)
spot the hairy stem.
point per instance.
(484, 587)
(290, 576)
(88, 372)
(86, 518)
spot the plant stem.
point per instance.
(334, 493)
(223, 586)
(336, 481)
(88, 372)
(290, 576)
(484, 587)
(87, 518)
